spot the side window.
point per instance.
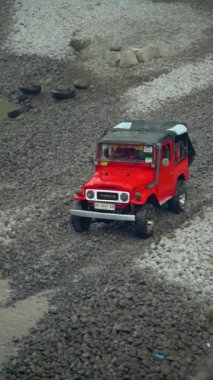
(166, 151)
(180, 149)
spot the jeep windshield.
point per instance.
(126, 152)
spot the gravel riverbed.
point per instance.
(114, 300)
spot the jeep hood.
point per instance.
(121, 179)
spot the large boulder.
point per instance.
(128, 58)
(147, 53)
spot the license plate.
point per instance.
(104, 206)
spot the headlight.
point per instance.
(90, 194)
(124, 197)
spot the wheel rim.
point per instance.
(150, 223)
(182, 200)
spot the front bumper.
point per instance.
(103, 215)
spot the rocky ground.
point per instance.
(115, 300)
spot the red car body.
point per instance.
(139, 165)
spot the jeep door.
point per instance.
(166, 179)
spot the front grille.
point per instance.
(107, 196)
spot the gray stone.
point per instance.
(208, 314)
(79, 44)
(115, 46)
(82, 83)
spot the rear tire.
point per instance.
(79, 223)
(144, 221)
(178, 202)
(31, 89)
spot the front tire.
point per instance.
(178, 202)
(79, 223)
(144, 221)
(61, 94)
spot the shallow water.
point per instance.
(16, 320)
(5, 108)
(4, 290)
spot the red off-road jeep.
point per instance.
(140, 165)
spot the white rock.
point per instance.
(148, 53)
(128, 58)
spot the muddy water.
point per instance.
(4, 291)
(5, 108)
(16, 320)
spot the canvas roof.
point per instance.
(144, 131)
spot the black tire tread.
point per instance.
(60, 94)
(174, 202)
(141, 220)
(18, 111)
(79, 224)
(33, 89)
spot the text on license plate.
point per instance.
(104, 206)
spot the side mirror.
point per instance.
(165, 162)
